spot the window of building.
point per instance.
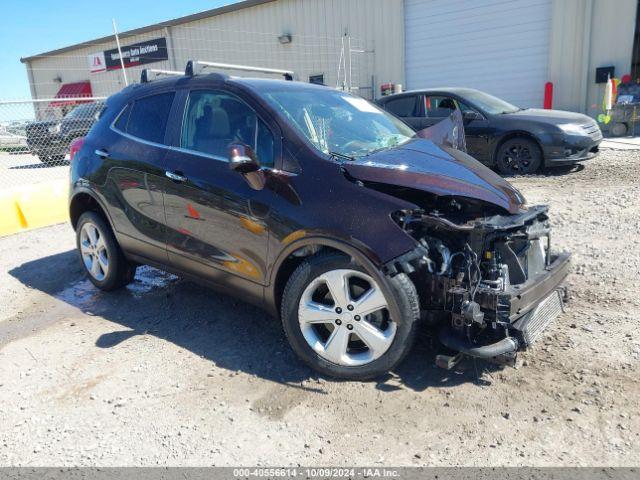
(635, 55)
(317, 79)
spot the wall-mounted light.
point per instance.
(57, 79)
(284, 39)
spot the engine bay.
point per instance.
(482, 277)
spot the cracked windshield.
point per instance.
(337, 123)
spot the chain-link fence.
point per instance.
(68, 86)
(35, 136)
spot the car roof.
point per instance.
(178, 81)
(451, 90)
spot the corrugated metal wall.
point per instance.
(587, 34)
(73, 67)
(497, 46)
(317, 27)
(250, 36)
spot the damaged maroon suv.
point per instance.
(323, 209)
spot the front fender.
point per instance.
(361, 253)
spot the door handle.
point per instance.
(102, 153)
(176, 176)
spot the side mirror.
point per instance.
(471, 115)
(242, 159)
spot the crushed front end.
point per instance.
(488, 280)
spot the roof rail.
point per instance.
(195, 67)
(145, 76)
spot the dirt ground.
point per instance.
(166, 372)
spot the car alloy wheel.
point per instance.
(518, 157)
(344, 318)
(94, 251)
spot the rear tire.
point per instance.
(519, 156)
(372, 343)
(51, 160)
(100, 254)
(618, 129)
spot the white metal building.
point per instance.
(310, 37)
(497, 46)
(509, 48)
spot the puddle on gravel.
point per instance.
(83, 294)
(148, 279)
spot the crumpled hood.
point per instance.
(422, 165)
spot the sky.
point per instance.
(28, 27)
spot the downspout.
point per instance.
(586, 54)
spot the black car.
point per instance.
(50, 139)
(512, 139)
(320, 207)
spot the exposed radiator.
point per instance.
(535, 322)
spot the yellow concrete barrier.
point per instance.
(33, 206)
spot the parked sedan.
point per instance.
(50, 139)
(512, 139)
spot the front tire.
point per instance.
(340, 322)
(519, 156)
(100, 254)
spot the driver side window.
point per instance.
(213, 120)
(437, 106)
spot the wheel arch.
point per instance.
(515, 134)
(82, 201)
(295, 253)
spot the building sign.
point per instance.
(96, 62)
(140, 53)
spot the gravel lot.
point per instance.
(166, 372)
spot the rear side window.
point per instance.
(403, 107)
(147, 117)
(123, 119)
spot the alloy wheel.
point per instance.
(344, 317)
(94, 251)
(517, 158)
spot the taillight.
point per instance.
(76, 145)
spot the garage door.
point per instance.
(499, 46)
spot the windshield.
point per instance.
(84, 111)
(339, 123)
(489, 103)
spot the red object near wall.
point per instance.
(72, 90)
(548, 96)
